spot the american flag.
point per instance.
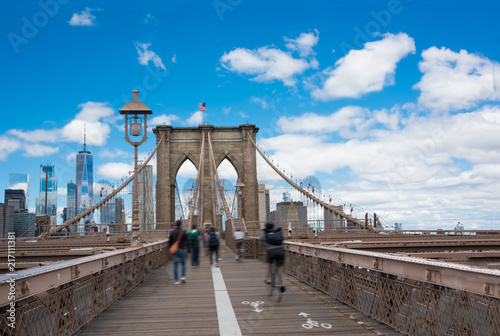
(202, 107)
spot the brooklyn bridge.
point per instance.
(347, 273)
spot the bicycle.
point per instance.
(275, 291)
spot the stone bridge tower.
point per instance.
(184, 143)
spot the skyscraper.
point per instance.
(46, 203)
(145, 191)
(6, 219)
(71, 199)
(16, 198)
(332, 220)
(119, 225)
(20, 181)
(84, 179)
(108, 213)
(24, 224)
(264, 204)
(290, 212)
(71, 202)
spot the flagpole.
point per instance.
(203, 108)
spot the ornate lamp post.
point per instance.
(133, 111)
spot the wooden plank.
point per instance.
(158, 307)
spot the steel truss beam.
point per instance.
(460, 277)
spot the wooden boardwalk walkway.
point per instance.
(159, 307)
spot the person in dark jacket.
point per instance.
(180, 255)
(213, 246)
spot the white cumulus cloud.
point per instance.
(94, 111)
(112, 153)
(37, 150)
(260, 101)
(195, 119)
(367, 70)
(97, 132)
(349, 122)
(146, 55)
(62, 191)
(93, 116)
(36, 135)
(83, 19)
(437, 165)
(453, 81)
(7, 146)
(266, 64)
(304, 43)
(162, 119)
(89, 118)
(114, 170)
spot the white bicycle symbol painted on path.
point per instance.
(254, 305)
(314, 324)
(311, 324)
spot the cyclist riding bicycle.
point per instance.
(275, 251)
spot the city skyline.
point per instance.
(392, 105)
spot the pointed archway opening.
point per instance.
(228, 178)
(185, 183)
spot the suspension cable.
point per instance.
(198, 180)
(180, 200)
(221, 190)
(307, 194)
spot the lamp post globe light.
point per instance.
(239, 189)
(239, 193)
(136, 113)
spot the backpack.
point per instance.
(274, 237)
(191, 241)
(213, 241)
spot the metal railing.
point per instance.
(60, 298)
(415, 296)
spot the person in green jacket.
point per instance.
(193, 238)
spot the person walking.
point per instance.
(178, 234)
(193, 237)
(239, 239)
(204, 237)
(213, 247)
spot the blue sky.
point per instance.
(393, 105)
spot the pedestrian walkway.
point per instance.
(230, 300)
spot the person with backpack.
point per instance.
(275, 251)
(213, 247)
(178, 236)
(193, 238)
